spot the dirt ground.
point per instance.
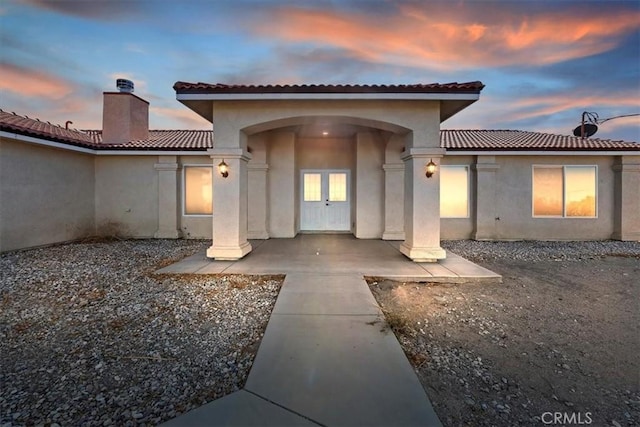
(556, 343)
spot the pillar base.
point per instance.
(423, 254)
(257, 235)
(228, 253)
(167, 234)
(393, 235)
(632, 236)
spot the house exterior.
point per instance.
(311, 159)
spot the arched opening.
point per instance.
(318, 174)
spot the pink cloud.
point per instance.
(32, 83)
(451, 38)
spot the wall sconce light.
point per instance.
(431, 168)
(223, 168)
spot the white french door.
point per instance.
(325, 200)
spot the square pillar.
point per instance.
(422, 206)
(485, 226)
(393, 201)
(230, 205)
(627, 198)
(167, 168)
(257, 193)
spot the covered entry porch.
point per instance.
(326, 159)
(322, 254)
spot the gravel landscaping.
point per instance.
(90, 336)
(556, 343)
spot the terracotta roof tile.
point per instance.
(201, 140)
(516, 140)
(202, 88)
(183, 140)
(11, 122)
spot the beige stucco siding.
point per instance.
(420, 118)
(126, 195)
(46, 193)
(369, 186)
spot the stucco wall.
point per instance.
(281, 158)
(126, 195)
(369, 186)
(46, 195)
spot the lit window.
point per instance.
(198, 192)
(454, 191)
(312, 187)
(564, 191)
(337, 187)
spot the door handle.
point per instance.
(327, 204)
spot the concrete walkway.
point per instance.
(327, 356)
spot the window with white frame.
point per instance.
(197, 190)
(565, 191)
(454, 191)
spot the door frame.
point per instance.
(325, 173)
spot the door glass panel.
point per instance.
(337, 187)
(312, 187)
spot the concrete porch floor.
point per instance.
(312, 253)
(327, 357)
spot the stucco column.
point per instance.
(393, 201)
(422, 206)
(257, 192)
(627, 198)
(167, 168)
(485, 226)
(230, 205)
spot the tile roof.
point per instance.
(201, 140)
(183, 140)
(206, 88)
(517, 140)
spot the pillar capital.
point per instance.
(423, 153)
(229, 153)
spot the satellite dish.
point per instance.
(589, 129)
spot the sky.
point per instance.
(543, 62)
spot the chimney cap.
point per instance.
(124, 85)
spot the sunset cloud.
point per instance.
(449, 38)
(29, 82)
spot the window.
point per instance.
(454, 191)
(197, 190)
(564, 191)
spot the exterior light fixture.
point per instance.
(223, 168)
(431, 168)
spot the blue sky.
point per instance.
(543, 62)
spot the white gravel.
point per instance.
(90, 336)
(531, 251)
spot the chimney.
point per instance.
(125, 117)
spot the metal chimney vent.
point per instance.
(124, 85)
